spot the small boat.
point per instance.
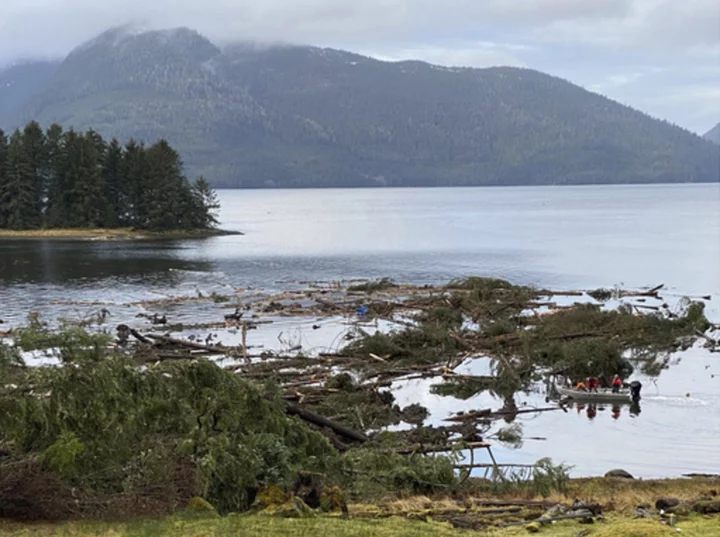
(600, 396)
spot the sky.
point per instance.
(659, 56)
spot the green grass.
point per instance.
(258, 525)
(246, 526)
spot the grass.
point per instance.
(263, 526)
(109, 234)
(246, 526)
(391, 519)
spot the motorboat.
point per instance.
(603, 395)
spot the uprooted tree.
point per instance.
(143, 428)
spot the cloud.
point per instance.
(480, 54)
(596, 43)
(50, 27)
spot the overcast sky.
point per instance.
(661, 56)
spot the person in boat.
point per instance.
(581, 386)
(592, 384)
(617, 384)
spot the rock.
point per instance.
(641, 512)
(334, 499)
(309, 488)
(533, 527)
(555, 510)
(619, 473)
(269, 496)
(594, 508)
(707, 507)
(663, 504)
(303, 509)
(684, 509)
(295, 508)
(199, 508)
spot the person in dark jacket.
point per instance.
(592, 384)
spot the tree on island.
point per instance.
(62, 179)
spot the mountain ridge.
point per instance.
(713, 134)
(284, 115)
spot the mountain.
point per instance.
(713, 134)
(297, 116)
(17, 82)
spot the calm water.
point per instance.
(555, 237)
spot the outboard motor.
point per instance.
(635, 388)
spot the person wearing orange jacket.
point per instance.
(617, 384)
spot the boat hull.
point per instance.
(602, 396)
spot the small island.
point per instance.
(66, 184)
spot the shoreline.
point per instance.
(119, 234)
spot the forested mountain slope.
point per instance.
(296, 116)
(19, 81)
(713, 134)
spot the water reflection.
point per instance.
(30, 261)
(616, 411)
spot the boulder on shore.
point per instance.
(619, 473)
(663, 504)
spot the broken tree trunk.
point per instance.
(321, 421)
(440, 449)
(189, 344)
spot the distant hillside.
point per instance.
(17, 82)
(713, 134)
(295, 116)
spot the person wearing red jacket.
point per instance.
(592, 384)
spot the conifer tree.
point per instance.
(67, 179)
(206, 204)
(56, 213)
(162, 188)
(34, 143)
(87, 190)
(3, 175)
(115, 195)
(132, 173)
(18, 196)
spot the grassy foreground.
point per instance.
(110, 234)
(407, 517)
(259, 525)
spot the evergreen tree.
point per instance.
(115, 195)
(206, 205)
(18, 196)
(35, 146)
(66, 179)
(56, 214)
(3, 175)
(132, 174)
(163, 188)
(84, 176)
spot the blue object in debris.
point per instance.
(362, 311)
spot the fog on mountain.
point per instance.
(297, 116)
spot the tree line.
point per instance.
(69, 179)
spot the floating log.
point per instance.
(470, 416)
(137, 335)
(486, 465)
(543, 520)
(440, 449)
(190, 344)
